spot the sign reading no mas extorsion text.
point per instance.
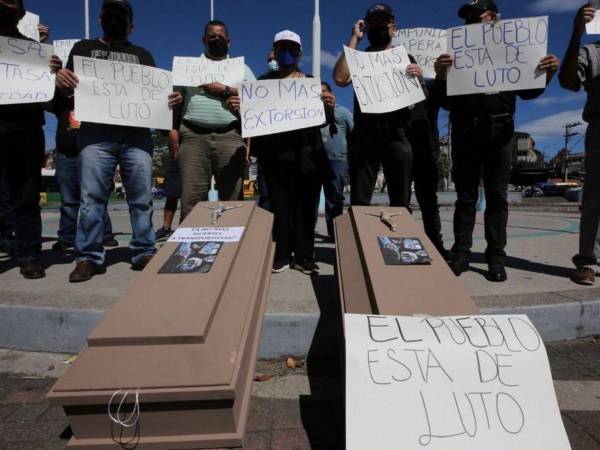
(500, 56)
(25, 75)
(118, 93)
(423, 44)
(380, 80)
(276, 106)
(450, 383)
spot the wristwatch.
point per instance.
(227, 93)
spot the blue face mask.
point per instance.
(287, 58)
(273, 66)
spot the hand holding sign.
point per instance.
(587, 19)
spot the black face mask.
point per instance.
(379, 37)
(115, 25)
(218, 47)
(8, 16)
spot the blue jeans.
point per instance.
(334, 193)
(68, 180)
(98, 162)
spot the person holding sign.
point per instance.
(582, 68)
(378, 139)
(206, 137)
(21, 161)
(294, 164)
(483, 142)
(103, 147)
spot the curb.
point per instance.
(65, 330)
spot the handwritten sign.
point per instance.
(118, 93)
(451, 383)
(594, 26)
(25, 75)
(62, 49)
(28, 26)
(275, 106)
(380, 80)
(207, 234)
(500, 56)
(424, 44)
(200, 71)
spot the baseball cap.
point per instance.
(477, 5)
(287, 35)
(380, 9)
(123, 4)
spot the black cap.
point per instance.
(379, 9)
(477, 5)
(123, 4)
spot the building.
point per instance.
(528, 162)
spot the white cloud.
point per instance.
(552, 126)
(560, 99)
(328, 59)
(548, 6)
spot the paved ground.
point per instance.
(295, 409)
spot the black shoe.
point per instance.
(110, 242)
(61, 246)
(497, 273)
(459, 265)
(280, 266)
(163, 234)
(7, 246)
(306, 266)
(85, 271)
(32, 269)
(141, 263)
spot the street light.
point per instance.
(212, 9)
(316, 61)
(87, 19)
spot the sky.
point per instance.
(175, 27)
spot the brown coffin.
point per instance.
(367, 286)
(187, 342)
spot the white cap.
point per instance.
(287, 35)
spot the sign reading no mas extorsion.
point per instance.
(449, 383)
(499, 56)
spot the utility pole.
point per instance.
(568, 136)
(316, 60)
(87, 18)
(212, 9)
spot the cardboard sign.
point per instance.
(451, 383)
(200, 71)
(423, 44)
(275, 106)
(25, 76)
(594, 26)
(380, 80)
(118, 93)
(496, 57)
(207, 234)
(28, 26)
(62, 49)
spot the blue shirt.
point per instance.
(336, 144)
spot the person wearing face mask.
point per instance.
(21, 158)
(206, 138)
(483, 142)
(102, 147)
(377, 139)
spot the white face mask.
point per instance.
(273, 66)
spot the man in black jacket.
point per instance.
(483, 142)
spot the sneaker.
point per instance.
(163, 234)
(85, 271)
(584, 276)
(459, 264)
(281, 266)
(306, 266)
(6, 246)
(61, 246)
(497, 272)
(110, 242)
(141, 263)
(32, 269)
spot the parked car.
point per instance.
(574, 195)
(532, 192)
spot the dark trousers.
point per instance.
(263, 191)
(374, 145)
(7, 219)
(292, 194)
(482, 150)
(334, 193)
(21, 158)
(426, 178)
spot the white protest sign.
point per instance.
(499, 56)
(25, 75)
(380, 80)
(62, 49)
(118, 93)
(28, 26)
(207, 234)
(275, 106)
(453, 383)
(594, 26)
(423, 44)
(199, 71)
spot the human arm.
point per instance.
(341, 71)
(570, 72)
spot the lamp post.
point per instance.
(316, 60)
(212, 9)
(87, 19)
